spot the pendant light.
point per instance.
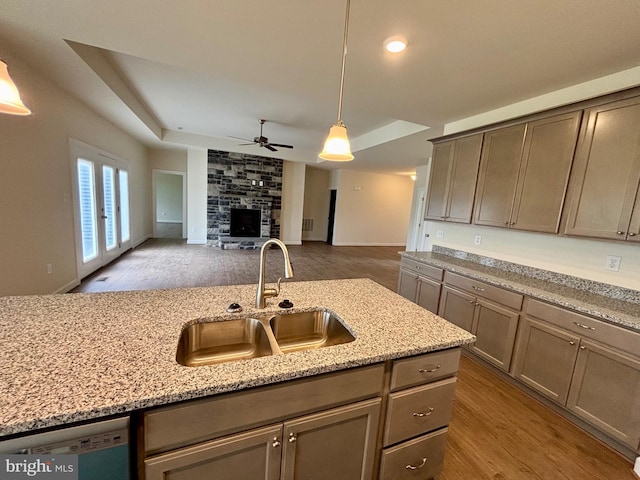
(9, 96)
(336, 146)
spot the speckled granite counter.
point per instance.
(71, 357)
(613, 304)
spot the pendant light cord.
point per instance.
(344, 61)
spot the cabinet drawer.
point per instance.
(424, 368)
(418, 410)
(421, 457)
(586, 327)
(195, 421)
(481, 289)
(422, 269)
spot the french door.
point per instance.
(101, 193)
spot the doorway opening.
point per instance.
(169, 204)
(332, 215)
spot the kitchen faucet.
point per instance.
(263, 293)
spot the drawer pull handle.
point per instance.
(422, 414)
(431, 369)
(412, 467)
(480, 289)
(582, 325)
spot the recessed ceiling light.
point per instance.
(395, 44)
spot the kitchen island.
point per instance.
(79, 357)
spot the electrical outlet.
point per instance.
(49, 268)
(613, 263)
(439, 233)
(477, 240)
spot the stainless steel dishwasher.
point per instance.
(102, 448)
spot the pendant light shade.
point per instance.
(9, 96)
(337, 147)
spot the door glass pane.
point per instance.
(109, 202)
(88, 222)
(124, 205)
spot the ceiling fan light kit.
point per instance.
(337, 147)
(10, 101)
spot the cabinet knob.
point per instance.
(582, 347)
(620, 233)
(276, 442)
(631, 234)
(413, 467)
(292, 437)
(429, 369)
(506, 223)
(572, 343)
(423, 414)
(512, 223)
(472, 301)
(479, 289)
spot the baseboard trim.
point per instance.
(68, 287)
(362, 244)
(141, 241)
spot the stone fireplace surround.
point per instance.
(234, 181)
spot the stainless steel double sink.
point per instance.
(215, 342)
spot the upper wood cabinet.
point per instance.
(453, 177)
(603, 196)
(524, 171)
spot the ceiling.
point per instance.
(195, 72)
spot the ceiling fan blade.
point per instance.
(281, 145)
(268, 147)
(240, 138)
(244, 144)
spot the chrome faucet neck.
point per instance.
(263, 293)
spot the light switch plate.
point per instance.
(477, 240)
(439, 233)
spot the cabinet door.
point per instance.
(464, 174)
(439, 181)
(544, 173)
(254, 455)
(428, 294)
(499, 166)
(408, 284)
(634, 227)
(335, 445)
(605, 391)
(606, 173)
(457, 307)
(495, 330)
(544, 358)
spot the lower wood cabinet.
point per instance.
(420, 283)
(419, 458)
(562, 355)
(605, 391)
(333, 445)
(493, 324)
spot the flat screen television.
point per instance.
(245, 222)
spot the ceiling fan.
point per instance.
(262, 141)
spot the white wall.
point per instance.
(293, 180)
(196, 196)
(316, 203)
(371, 208)
(36, 209)
(573, 256)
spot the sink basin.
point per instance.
(308, 330)
(224, 341)
(219, 342)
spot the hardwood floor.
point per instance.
(497, 431)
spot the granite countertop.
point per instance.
(561, 290)
(72, 357)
